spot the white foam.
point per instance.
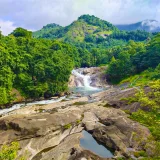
(83, 80)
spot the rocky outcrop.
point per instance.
(117, 98)
(72, 82)
(37, 133)
(53, 131)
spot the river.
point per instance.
(83, 88)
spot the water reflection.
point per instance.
(89, 143)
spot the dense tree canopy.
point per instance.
(91, 32)
(34, 67)
(134, 58)
(38, 67)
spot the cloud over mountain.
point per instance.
(34, 14)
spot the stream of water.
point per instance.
(83, 88)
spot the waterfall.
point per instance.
(83, 83)
(83, 80)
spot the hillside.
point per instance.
(90, 31)
(78, 30)
(49, 28)
(116, 100)
(146, 25)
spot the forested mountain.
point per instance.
(49, 28)
(41, 66)
(78, 30)
(146, 25)
(38, 65)
(90, 31)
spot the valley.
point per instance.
(54, 130)
(86, 91)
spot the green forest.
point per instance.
(39, 66)
(34, 67)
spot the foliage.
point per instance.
(20, 32)
(78, 121)
(149, 115)
(46, 30)
(79, 103)
(120, 68)
(67, 126)
(91, 32)
(35, 67)
(135, 58)
(9, 152)
(143, 78)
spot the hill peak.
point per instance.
(95, 21)
(85, 16)
(51, 25)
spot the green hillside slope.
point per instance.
(90, 31)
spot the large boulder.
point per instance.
(53, 131)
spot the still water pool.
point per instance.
(89, 143)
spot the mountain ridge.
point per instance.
(89, 31)
(148, 25)
(79, 28)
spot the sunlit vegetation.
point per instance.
(36, 68)
(149, 115)
(91, 32)
(135, 58)
(10, 152)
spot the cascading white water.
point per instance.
(18, 106)
(83, 80)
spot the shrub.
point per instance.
(67, 126)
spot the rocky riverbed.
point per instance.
(53, 131)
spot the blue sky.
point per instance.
(34, 14)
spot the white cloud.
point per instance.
(6, 27)
(36, 13)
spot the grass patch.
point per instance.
(78, 121)
(142, 79)
(127, 112)
(106, 105)
(41, 110)
(64, 100)
(140, 154)
(67, 126)
(129, 100)
(79, 103)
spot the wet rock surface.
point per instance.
(53, 131)
(97, 75)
